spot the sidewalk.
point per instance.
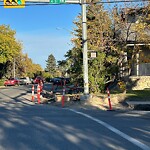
(139, 113)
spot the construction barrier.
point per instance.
(38, 93)
(33, 93)
(110, 107)
(41, 86)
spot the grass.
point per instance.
(138, 95)
(133, 95)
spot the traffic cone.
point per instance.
(33, 93)
(38, 93)
(110, 107)
(63, 98)
(41, 86)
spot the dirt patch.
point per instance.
(117, 101)
(94, 102)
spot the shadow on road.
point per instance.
(44, 127)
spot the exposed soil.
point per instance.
(94, 102)
(117, 102)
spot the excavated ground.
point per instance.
(94, 102)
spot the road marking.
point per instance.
(125, 136)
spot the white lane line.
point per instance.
(125, 136)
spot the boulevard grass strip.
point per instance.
(129, 95)
(138, 95)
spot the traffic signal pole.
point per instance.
(84, 47)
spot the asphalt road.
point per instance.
(28, 126)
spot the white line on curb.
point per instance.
(125, 136)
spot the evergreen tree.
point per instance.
(102, 68)
(51, 65)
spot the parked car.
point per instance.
(25, 81)
(51, 80)
(67, 80)
(37, 80)
(11, 81)
(57, 81)
(61, 81)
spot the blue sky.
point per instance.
(43, 30)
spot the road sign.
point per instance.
(14, 3)
(57, 1)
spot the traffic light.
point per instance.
(14, 3)
(81, 42)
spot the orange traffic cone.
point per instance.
(38, 93)
(33, 93)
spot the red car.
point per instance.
(11, 81)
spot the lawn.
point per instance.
(138, 95)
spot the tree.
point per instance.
(26, 67)
(51, 65)
(9, 49)
(104, 67)
(9, 46)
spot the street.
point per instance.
(28, 126)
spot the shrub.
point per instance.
(1, 82)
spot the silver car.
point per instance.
(24, 81)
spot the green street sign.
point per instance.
(57, 1)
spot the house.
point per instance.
(135, 19)
(135, 33)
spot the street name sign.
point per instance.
(57, 1)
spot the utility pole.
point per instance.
(14, 68)
(84, 47)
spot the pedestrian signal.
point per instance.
(14, 3)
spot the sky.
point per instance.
(43, 30)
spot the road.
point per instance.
(28, 126)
